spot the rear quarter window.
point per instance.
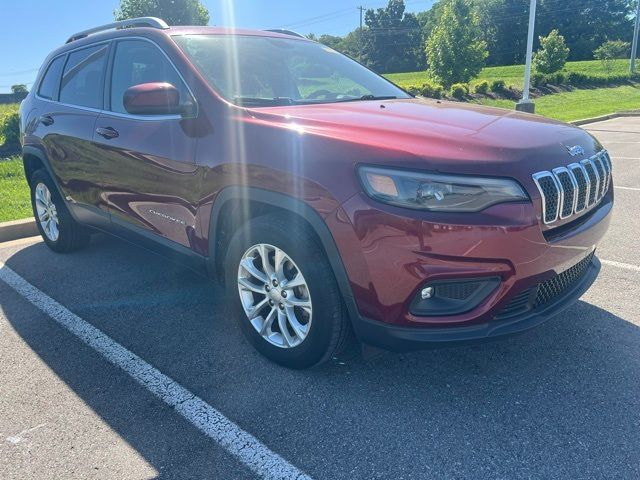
(49, 85)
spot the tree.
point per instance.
(391, 40)
(20, 88)
(454, 49)
(609, 51)
(331, 41)
(586, 24)
(552, 55)
(174, 12)
(504, 25)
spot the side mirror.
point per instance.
(155, 98)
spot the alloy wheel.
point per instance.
(274, 295)
(47, 212)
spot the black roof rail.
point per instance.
(152, 22)
(285, 32)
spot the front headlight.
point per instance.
(436, 192)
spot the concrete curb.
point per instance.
(630, 113)
(18, 229)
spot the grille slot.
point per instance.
(569, 187)
(603, 179)
(582, 182)
(570, 190)
(593, 182)
(550, 190)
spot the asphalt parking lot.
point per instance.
(115, 363)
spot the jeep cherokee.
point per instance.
(326, 199)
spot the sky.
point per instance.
(30, 29)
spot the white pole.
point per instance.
(634, 48)
(527, 70)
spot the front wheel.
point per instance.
(285, 294)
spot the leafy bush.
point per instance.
(553, 53)
(431, 90)
(10, 130)
(413, 90)
(577, 79)
(538, 79)
(459, 90)
(557, 78)
(609, 51)
(498, 86)
(482, 87)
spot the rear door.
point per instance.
(149, 176)
(72, 94)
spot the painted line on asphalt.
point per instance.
(625, 158)
(242, 445)
(627, 188)
(626, 266)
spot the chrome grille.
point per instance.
(569, 190)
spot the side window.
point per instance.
(82, 78)
(49, 85)
(136, 62)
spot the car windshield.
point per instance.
(259, 71)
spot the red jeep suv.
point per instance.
(325, 198)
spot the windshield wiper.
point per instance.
(263, 102)
(369, 97)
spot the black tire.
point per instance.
(329, 328)
(71, 235)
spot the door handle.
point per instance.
(107, 132)
(46, 120)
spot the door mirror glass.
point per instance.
(156, 98)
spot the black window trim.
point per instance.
(107, 84)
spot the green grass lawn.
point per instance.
(513, 75)
(15, 202)
(581, 104)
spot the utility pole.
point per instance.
(361, 8)
(526, 105)
(634, 48)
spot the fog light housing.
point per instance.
(452, 297)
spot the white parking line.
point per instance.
(626, 266)
(246, 448)
(627, 188)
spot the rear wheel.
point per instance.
(285, 295)
(59, 230)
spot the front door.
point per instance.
(149, 174)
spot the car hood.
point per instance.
(449, 136)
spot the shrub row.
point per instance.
(9, 131)
(577, 79)
(428, 89)
(458, 90)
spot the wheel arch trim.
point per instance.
(295, 206)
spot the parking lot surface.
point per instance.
(116, 363)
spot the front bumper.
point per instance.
(398, 338)
(390, 257)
